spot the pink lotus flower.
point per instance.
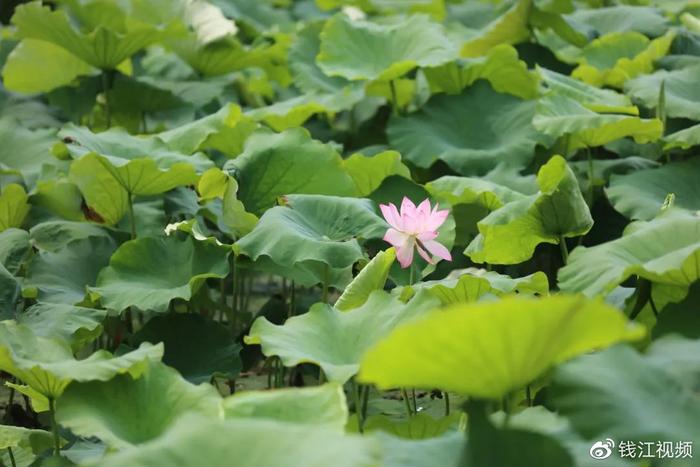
(415, 227)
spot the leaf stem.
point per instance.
(447, 403)
(564, 249)
(324, 296)
(12, 457)
(591, 192)
(234, 301)
(394, 98)
(292, 299)
(132, 218)
(105, 90)
(407, 402)
(54, 427)
(358, 405)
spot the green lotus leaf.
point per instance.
(14, 249)
(126, 410)
(294, 112)
(306, 274)
(225, 130)
(641, 194)
(252, 14)
(681, 91)
(61, 198)
(38, 66)
(228, 55)
(683, 139)
(336, 340)
(48, 365)
(149, 272)
(108, 41)
(253, 443)
(55, 235)
(677, 355)
(472, 132)
(214, 183)
(561, 116)
(619, 56)
(510, 234)
(422, 426)
(631, 397)
(314, 229)
(196, 347)
(400, 452)
(665, 251)
(36, 441)
(368, 172)
(273, 165)
(622, 18)
(551, 21)
(323, 405)
(76, 325)
(500, 67)
(540, 420)
(471, 284)
(489, 444)
(46, 276)
(308, 76)
(509, 28)
(14, 206)
(24, 151)
(464, 190)
(134, 98)
(362, 50)
(593, 98)
(494, 347)
(372, 277)
(112, 166)
(9, 293)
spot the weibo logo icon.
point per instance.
(602, 449)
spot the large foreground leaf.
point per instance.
(359, 50)
(48, 366)
(487, 350)
(125, 410)
(151, 271)
(253, 443)
(665, 250)
(624, 395)
(510, 234)
(332, 339)
(472, 132)
(641, 194)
